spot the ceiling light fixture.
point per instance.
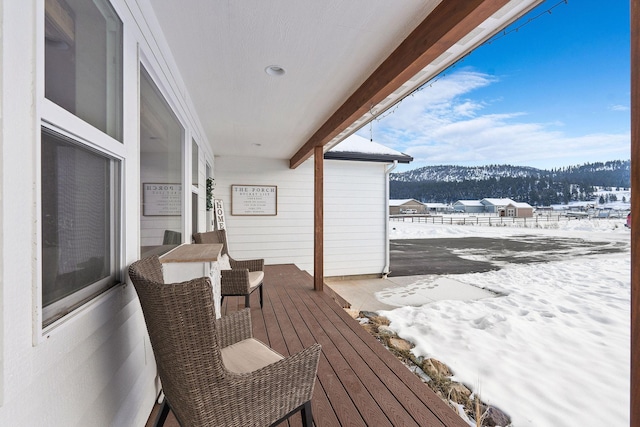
(275, 70)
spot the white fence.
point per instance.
(493, 219)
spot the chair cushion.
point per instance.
(255, 278)
(248, 355)
(224, 262)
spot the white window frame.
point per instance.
(163, 88)
(89, 292)
(57, 119)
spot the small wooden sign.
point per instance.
(218, 212)
(254, 200)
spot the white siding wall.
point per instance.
(95, 368)
(354, 214)
(282, 239)
(355, 218)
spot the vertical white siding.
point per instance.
(355, 218)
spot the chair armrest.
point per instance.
(295, 374)
(234, 282)
(249, 264)
(234, 328)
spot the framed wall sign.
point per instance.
(160, 199)
(254, 200)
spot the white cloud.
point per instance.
(443, 125)
(619, 108)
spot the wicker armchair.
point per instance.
(213, 372)
(244, 277)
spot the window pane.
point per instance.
(161, 171)
(194, 163)
(78, 224)
(83, 61)
(194, 212)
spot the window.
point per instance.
(195, 162)
(195, 176)
(83, 61)
(80, 202)
(80, 184)
(161, 171)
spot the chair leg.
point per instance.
(246, 301)
(261, 296)
(307, 418)
(162, 416)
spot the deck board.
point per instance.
(359, 382)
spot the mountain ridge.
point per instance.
(451, 173)
(449, 183)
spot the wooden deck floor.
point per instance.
(359, 382)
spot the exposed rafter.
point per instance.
(445, 26)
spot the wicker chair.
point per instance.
(244, 277)
(213, 372)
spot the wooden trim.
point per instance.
(446, 25)
(318, 220)
(635, 208)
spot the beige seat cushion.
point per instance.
(248, 355)
(255, 278)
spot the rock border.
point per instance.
(434, 373)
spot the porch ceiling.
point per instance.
(330, 50)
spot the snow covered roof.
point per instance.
(400, 202)
(469, 203)
(498, 202)
(358, 148)
(521, 205)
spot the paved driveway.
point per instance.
(410, 257)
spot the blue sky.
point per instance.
(554, 93)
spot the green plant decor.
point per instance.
(210, 186)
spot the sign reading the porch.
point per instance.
(254, 200)
(162, 199)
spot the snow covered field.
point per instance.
(554, 350)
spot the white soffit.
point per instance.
(327, 48)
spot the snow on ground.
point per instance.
(553, 351)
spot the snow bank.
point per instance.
(554, 351)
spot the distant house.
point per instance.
(405, 206)
(437, 208)
(496, 205)
(468, 206)
(518, 210)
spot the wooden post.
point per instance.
(318, 220)
(635, 209)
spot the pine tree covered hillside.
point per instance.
(538, 187)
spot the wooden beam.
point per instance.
(446, 25)
(318, 220)
(635, 209)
